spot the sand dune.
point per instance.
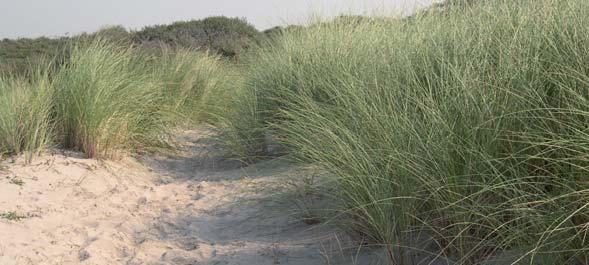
(188, 208)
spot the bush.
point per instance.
(461, 132)
(115, 34)
(229, 37)
(20, 57)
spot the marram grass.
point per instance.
(25, 107)
(106, 99)
(460, 132)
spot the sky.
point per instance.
(34, 18)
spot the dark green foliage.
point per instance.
(116, 34)
(21, 55)
(18, 56)
(273, 33)
(276, 33)
(226, 36)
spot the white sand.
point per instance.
(189, 208)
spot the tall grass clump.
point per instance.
(110, 98)
(105, 100)
(25, 108)
(459, 133)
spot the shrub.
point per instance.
(115, 34)
(17, 56)
(229, 37)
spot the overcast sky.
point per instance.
(33, 18)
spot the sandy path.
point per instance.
(189, 208)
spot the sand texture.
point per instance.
(191, 207)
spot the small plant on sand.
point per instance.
(307, 198)
(13, 216)
(17, 181)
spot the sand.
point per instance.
(191, 207)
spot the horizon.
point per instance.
(62, 18)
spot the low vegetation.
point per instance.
(14, 216)
(17, 181)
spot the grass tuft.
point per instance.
(25, 107)
(106, 99)
(14, 216)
